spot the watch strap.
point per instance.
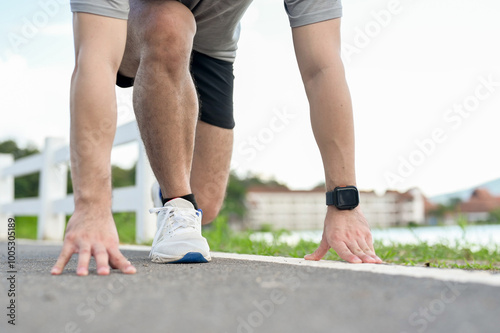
(330, 198)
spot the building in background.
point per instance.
(281, 208)
(393, 208)
(479, 206)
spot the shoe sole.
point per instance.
(188, 258)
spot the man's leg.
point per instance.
(165, 101)
(158, 54)
(210, 172)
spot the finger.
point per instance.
(101, 259)
(320, 251)
(83, 260)
(369, 242)
(363, 251)
(117, 260)
(345, 253)
(65, 255)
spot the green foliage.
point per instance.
(254, 180)
(122, 177)
(266, 227)
(11, 147)
(412, 224)
(495, 216)
(453, 203)
(462, 223)
(450, 207)
(26, 186)
(234, 203)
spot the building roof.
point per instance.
(480, 201)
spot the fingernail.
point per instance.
(81, 271)
(54, 270)
(130, 270)
(103, 271)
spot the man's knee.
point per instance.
(210, 203)
(166, 33)
(210, 213)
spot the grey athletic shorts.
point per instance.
(218, 28)
(303, 12)
(112, 8)
(215, 44)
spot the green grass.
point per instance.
(458, 255)
(221, 238)
(26, 227)
(125, 223)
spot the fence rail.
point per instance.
(53, 202)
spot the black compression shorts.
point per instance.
(214, 82)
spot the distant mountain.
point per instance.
(492, 186)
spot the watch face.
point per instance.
(347, 197)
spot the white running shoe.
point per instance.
(178, 238)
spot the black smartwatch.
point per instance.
(343, 197)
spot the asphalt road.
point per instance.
(228, 295)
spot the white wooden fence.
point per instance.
(53, 202)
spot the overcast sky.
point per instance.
(424, 77)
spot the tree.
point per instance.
(495, 216)
(234, 203)
(25, 186)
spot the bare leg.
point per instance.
(212, 156)
(166, 107)
(165, 100)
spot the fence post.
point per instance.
(6, 192)
(145, 223)
(53, 182)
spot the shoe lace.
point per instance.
(180, 217)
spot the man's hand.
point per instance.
(346, 232)
(92, 235)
